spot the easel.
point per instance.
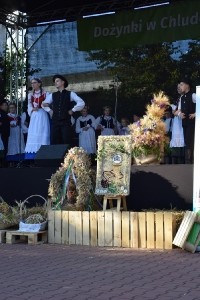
(118, 207)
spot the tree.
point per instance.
(190, 62)
(143, 71)
(15, 69)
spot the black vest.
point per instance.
(85, 123)
(187, 107)
(107, 124)
(61, 105)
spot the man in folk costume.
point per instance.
(187, 114)
(61, 131)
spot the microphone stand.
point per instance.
(116, 102)
(20, 162)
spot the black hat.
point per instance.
(186, 80)
(62, 78)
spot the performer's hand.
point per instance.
(26, 124)
(45, 104)
(182, 116)
(175, 112)
(192, 116)
(99, 127)
(35, 108)
(70, 112)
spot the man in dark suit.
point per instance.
(4, 128)
(188, 108)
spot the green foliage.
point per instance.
(112, 188)
(16, 69)
(111, 149)
(146, 150)
(145, 70)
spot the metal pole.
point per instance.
(116, 101)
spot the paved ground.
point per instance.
(78, 272)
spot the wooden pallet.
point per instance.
(3, 235)
(180, 239)
(33, 238)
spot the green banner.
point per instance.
(167, 23)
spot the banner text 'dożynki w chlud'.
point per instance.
(167, 23)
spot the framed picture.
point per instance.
(113, 165)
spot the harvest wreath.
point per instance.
(71, 187)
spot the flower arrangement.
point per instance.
(149, 133)
(35, 219)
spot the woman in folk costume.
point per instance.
(39, 127)
(177, 140)
(85, 126)
(16, 139)
(106, 123)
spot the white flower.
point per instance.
(125, 191)
(122, 188)
(97, 191)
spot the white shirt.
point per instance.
(24, 127)
(73, 97)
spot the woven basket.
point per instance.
(7, 225)
(32, 227)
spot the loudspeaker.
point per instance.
(51, 155)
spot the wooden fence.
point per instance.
(112, 228)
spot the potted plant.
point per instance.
(149, 134)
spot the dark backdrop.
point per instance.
(162, 187)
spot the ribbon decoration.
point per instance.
(62, 195)
(92, 191)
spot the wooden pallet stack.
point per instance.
(112, 229)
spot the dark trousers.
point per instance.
(61, 132)
(5, 143)
(189, 143)
(25, 137)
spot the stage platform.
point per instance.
(161, 187)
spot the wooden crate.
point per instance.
(187, 223)
(112, 229)
(33, 238)
(184, 229)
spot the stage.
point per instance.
(157, 187)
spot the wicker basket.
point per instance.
(32, 227)
(5, 225)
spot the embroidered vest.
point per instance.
(107, 123)
(38, 100)
(85, 123)
(61, 105)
